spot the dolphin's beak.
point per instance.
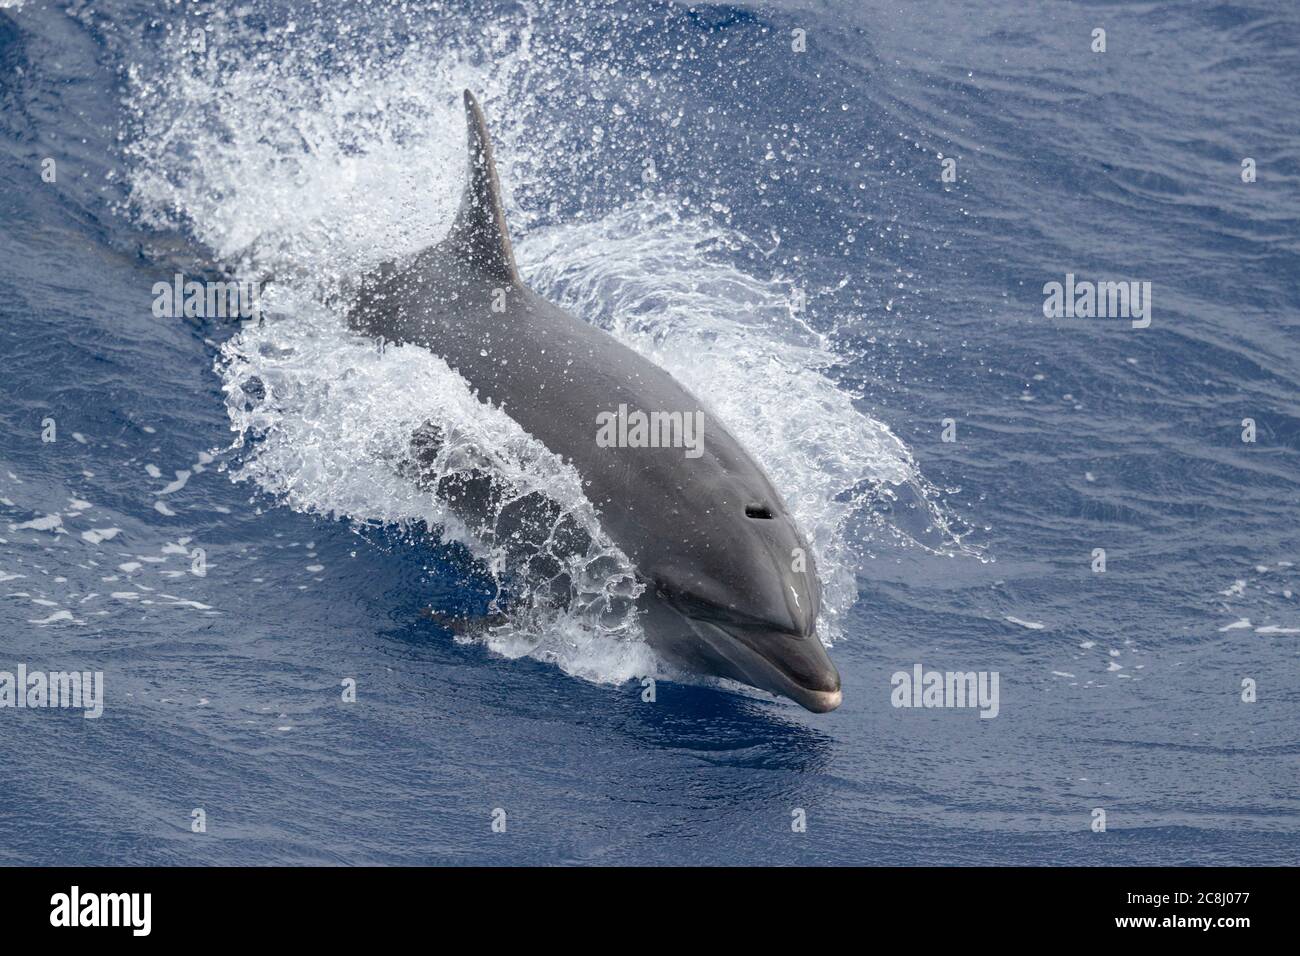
(790, 665)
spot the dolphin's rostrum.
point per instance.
(730, 585)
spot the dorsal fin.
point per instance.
(479, 234)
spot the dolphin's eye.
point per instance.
(758, 511)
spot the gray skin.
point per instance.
(710, 537)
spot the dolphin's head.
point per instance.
(740, 599)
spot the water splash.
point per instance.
(321, 151)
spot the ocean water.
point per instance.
(209, 512)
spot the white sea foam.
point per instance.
(100, 535)
(1031, 625)
(58, 617)
(50, 522)
(310, 174)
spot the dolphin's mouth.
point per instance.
(790, 665)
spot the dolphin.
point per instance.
(730, 585)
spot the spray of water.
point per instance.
(319, 153)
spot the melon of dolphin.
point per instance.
(731, 588)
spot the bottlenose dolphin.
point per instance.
(731, 589)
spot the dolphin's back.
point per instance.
(557, 375)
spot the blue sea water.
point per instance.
(678, 174)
